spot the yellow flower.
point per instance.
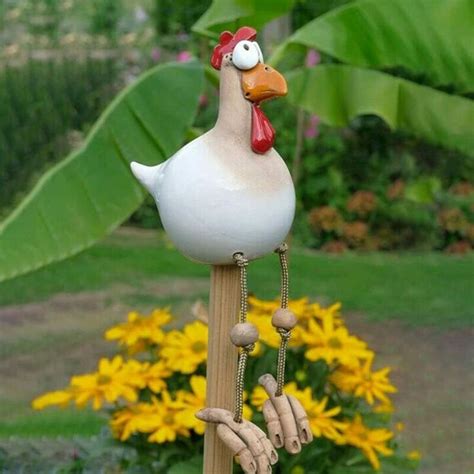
(385, 408)
(414, 455)
(146, 374)
(58, 397)
(318, 312)
(363, 382)
(267, 308)
(333, 344)
(321, 421)
(108, 384)
(128, 421)
(183, 351)
(258, 397)
(140, 330)
(369, 441)
(400, 426)
(193, 401)
(261, 312)
(266, 332)
(164, 422)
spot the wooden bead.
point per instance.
(284, 319)
(243, 334)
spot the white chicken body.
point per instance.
(216, 196)
(212, 207)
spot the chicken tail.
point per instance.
(149, 176)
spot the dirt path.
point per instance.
(434, 372)
(432, 368)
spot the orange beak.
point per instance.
(263, 82)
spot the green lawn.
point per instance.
(54, 422)
(416, 288)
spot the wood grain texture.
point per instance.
(221, 361)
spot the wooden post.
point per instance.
(222, 356)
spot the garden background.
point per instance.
(385, 220)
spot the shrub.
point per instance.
(402, 216)
(41, 103)
(153, 388)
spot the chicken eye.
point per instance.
(245, 55)
(260, 54)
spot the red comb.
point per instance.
(227, 42)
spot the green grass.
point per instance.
(54, 422)
(420, 289)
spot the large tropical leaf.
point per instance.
(92, 191)
(432, 38)
(230, 14)
(338, 93)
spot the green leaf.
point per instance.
(423, 190)
(92, 191)
(338, 93)
(231, 14)
(193, 466)
(428, 37)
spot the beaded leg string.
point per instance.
(247, 441)
(243, 335)
(286, 419)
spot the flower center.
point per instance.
(334, 343)
(198, 346)
(103, 379)
(168, 419)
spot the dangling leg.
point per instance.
(244, 335)
(248, 442)
(285, 417)
(283, 319)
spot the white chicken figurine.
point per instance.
(228, 190)
(228, 197)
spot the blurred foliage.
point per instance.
(171, 17)
(44, 105)
(306, 10)
(413, 182)
(105, 16)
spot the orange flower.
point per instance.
(395, 190)
(355, 233)
(452, 220)
(463, 188)
(325, 219)
(362, 203)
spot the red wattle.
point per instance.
(263, 134)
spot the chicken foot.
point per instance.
(286, 419)
(254, 451)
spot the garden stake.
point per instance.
(225, 199)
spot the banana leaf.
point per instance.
(231, 14)
(92, 191)
(432, 39)
(339, 93)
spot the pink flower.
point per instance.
(184, 56)
(313, 58)
(155, 54)
(313, 127)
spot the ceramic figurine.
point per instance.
(227, 197)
